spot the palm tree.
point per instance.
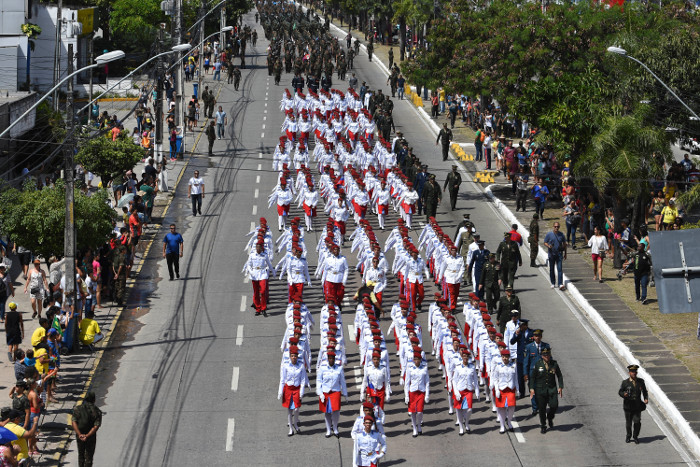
(623, 158)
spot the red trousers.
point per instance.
(295, 292)
(334, 291)
(452, 294)
(260, 294)
(415, 293)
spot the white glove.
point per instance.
(322, 397)
(279, 396)
(427, 399)
(388, 397)
(458, 396)
(406, 399)
(362, 397)
(498, 394)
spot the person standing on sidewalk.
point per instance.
(534, 239)
(642, 268)
(556, 244)
(87, 419)
(172, 251)
(221, 122)
(211, 136)
(195, 191)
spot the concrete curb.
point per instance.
(669, 411)
(661, 400)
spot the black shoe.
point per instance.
(264, 313)
(645, 302)
(533, 265)
(534, 412)
(171, 279)
(328, 435)
(468, 431)
(297, 430)
(337, 435)
(551, 422)
(257, 313)
(415, 435)
(200, 213)
(177, 275)
(628, 439)
(636, 440)
(543, 429)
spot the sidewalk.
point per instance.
(78, 369)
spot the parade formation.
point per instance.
(334, 161)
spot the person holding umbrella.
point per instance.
(21, 435)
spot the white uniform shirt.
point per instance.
(503, 377)
(293, 375)
(335, 269)
(464, 378)
(369, 447)
(452, 269)
(331, 379)
(417, 379)
(258, 266)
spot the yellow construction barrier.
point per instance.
(485, 176)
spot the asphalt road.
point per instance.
(192, 374)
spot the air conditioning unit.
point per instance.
(167, 6)
(74, 29)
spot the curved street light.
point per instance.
(100, 60)
(623, 52)
(176, 48)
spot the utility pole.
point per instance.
(180, 88)
(91, 57)
(69, 229)
(202, 12)
(222, 24)
(57, 53)
(159, 98)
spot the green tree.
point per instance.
(108, 159)
(36, 218)
(136, 21)
(624, 156)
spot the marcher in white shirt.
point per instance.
(370, 445)
(464, 387)
(330, 384)
(417, 391)
(504, 383)
(375, 382)
(258, 269)
(293, 381)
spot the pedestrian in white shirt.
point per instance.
(293, 381)
(330, 385)
(417, 391)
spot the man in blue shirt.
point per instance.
(172, 251)
(540, 192)
(555, 241)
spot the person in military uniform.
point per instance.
(277, 70)
(506, 304)
(419, 182)
(119, 269)
(452, 183)
(490, 282)
(236, 78)
(534, 239)
(431, 197)
(543, 387)
(87, 419)
(370, 49)
(211, 136)
(466, 224)
(532, 355)
(635, 397)
(508, 254)
(464, 242)
(445, 136)
(391, 61)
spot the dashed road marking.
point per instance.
(234, 379)
(229, 434)
(262, 135)
(255, 209)
(259, 155)
(257, 193)
(239, 335)
(358, 376)
(243, 302)
(257, 179)
(518, 433)
(264, 118)
(263, 127)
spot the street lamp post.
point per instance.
(101, 60)
(623, 52)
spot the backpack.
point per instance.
(483, 136)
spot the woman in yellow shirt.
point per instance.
(669, 214)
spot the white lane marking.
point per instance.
(263, 127)
(262, 135)
(259, 155)
(265, 111)
(518, 434)
(257, 179)
(351, 331)
(255, 209)
(234, 379)
(257, 193)
(246, 280)
(239, 335)
(358, 376)
(266, 106)
(243, 300)
(264, 118)
(229, 434)
(252, 225)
